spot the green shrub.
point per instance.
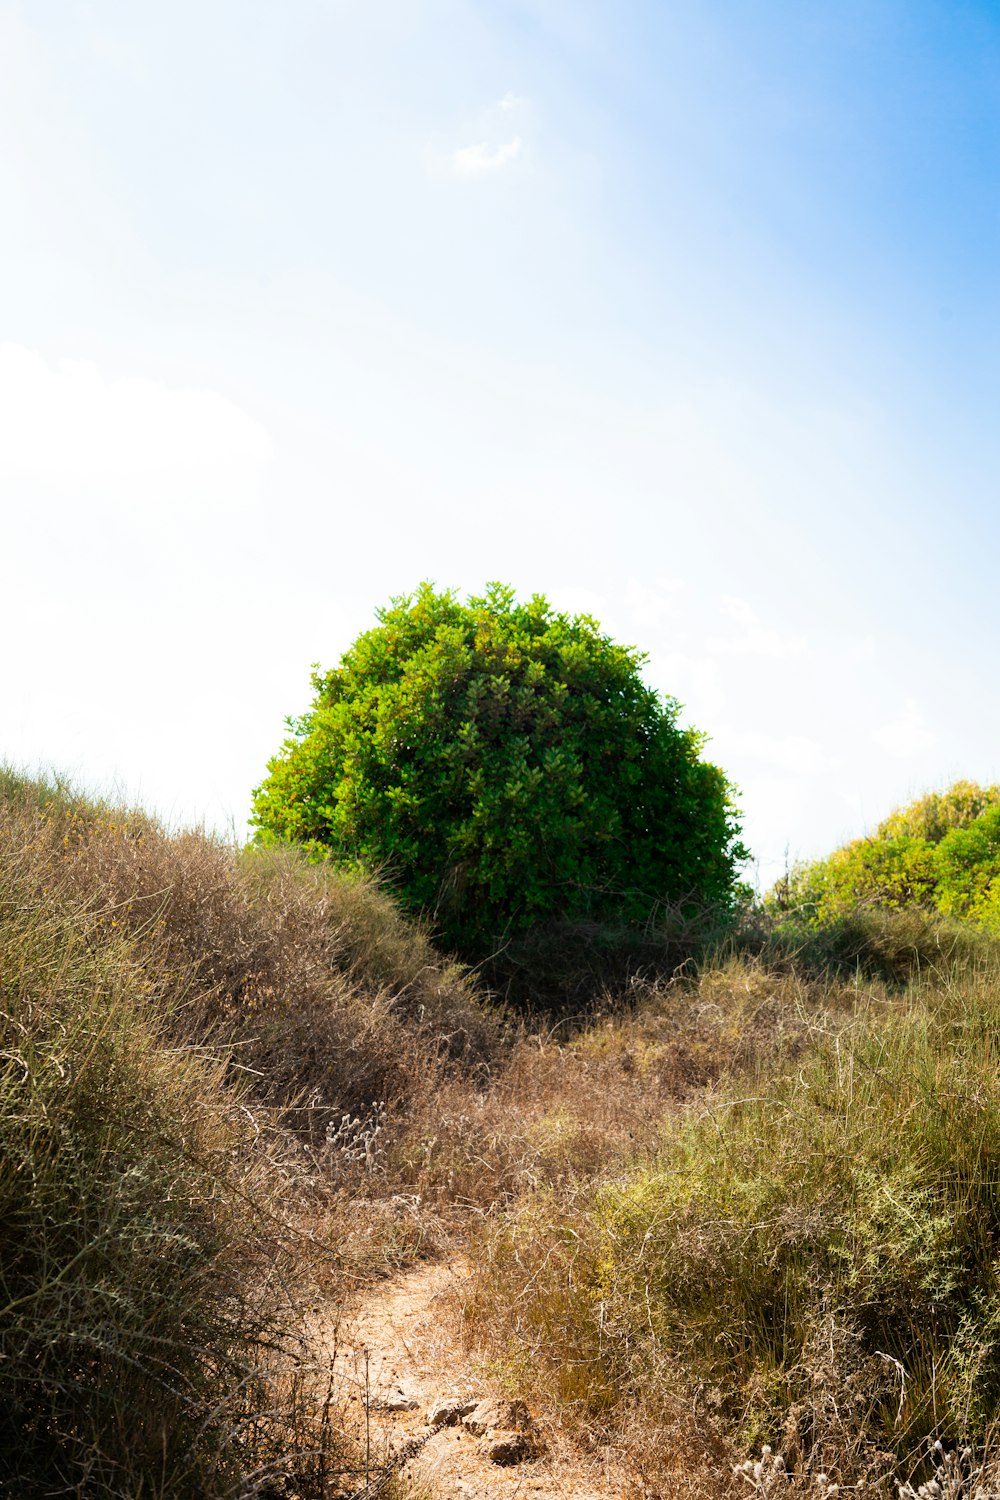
(941, 853)
(811, 1255)
(936, 814)
(968, 870)
(502, 763)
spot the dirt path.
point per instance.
(398, 1354)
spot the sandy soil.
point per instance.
(401, 1344)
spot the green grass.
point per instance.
(811, 1253)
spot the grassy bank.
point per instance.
(807, 1255)
(200, 1048)
(745, 1195)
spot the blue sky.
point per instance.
(684, 314)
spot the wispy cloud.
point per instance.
(752, 637)
(473, 161)
(511, 101)
(133, 446)
(792, 754)
(905, 737)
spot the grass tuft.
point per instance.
(137, 1274)
(202, 1055)
(806, 1257)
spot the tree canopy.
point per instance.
(942, 853)
(501, 762)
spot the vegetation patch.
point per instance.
(140, 1275)
(502, 764)
(737, 1196)
(204, 1058)
(808, 1257)
(942, 853)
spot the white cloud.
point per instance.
(511, 101)
(753, 637)
(792, 754)
(74, 435)
(906, 737)
(653, 607)
(711, 627)
(473, 161)
(574, 600)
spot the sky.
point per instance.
(685, 314)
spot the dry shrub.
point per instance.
(197, 1047)
(327, 999)
(142, 1277)
(876, 943)
(534, 1320)
(565, 1117)
(567, 1110)
(807, 1255)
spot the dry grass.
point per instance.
(202, 1054)
(565, 1111)
(327, 997)
(754, 1201)
(142, 1282)
(806, 1253)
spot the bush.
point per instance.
(873, 942)
(324, 995)
(502, 763)
(137, 1266)
(968, 870)
(810, 1257)
(942, 853)
(198, 1049)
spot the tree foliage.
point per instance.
(941, 853)
(501, 762)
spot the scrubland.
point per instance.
(740, 1197)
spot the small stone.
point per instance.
(450, 1411)
(507, 1415)
(396, 1400)
(506, 1447)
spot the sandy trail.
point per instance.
(401, 1343)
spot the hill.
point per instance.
(200, 1048)
(744, 1208)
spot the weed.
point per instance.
(807, 1253)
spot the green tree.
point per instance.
(968, 870)
(941, 853)
(896, 870)
(501, 762)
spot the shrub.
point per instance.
(809, 1258)
(968, 870)
(199, 1047)
(137, 1273)
(502, 763)
(941, 853)
(326, 997)
(933, 816)
(874, 942)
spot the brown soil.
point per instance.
(402, 1341)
